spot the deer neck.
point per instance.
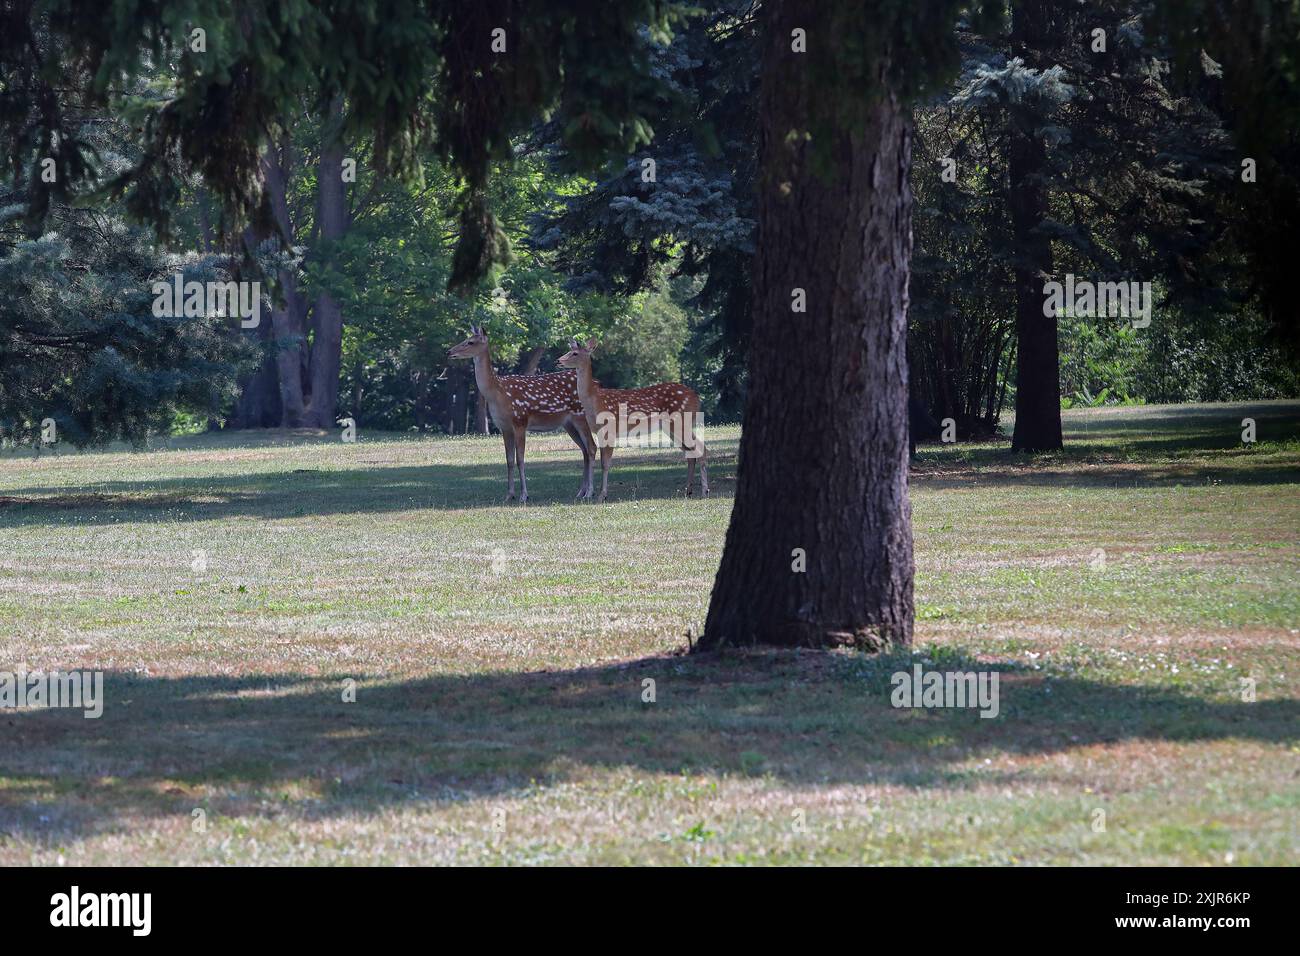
(587, 388)
(485, 377)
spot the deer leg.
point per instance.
(606, 453)
(694, 448)
(521, 437)
(589, 460)
(509, 439)
(584, 442)
(704, 468)
(677, 431)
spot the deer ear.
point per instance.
(591, 345)
(573, 343)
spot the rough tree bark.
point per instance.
(1038, 373)
(822, 475)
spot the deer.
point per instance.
(669, 405)
(523, 403)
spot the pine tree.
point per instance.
(80, 345)
(1075, 154)
(685, 203)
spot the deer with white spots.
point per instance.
(670, 405)
(523, 403)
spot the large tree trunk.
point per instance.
(307, 377)
(822, 475)
(1038, 373)
(288, 314)
(258, 405)
(327, 314)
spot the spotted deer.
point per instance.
(670, 405)
(523, 403)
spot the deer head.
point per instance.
(476, 344)
(578, 355)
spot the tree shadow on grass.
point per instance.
(268, 745)
(1194, 446)
(637, 474)
(1005, 470)
(1189, 447)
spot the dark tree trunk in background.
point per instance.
(455, 413)
(1038, 375)
(463, 393)
(421, 408)
(448, 415)
(306, 377)
(327, 314)
(207, 238)
(528, 361)
(258, 405)
(289, 311)
(824, 448)
(481, 415)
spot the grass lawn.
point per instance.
(229, 586)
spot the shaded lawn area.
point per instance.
(1122, 590)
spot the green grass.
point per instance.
(1121, 590)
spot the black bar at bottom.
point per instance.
(304, 905)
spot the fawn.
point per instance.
(523, 403)
(669, 405)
